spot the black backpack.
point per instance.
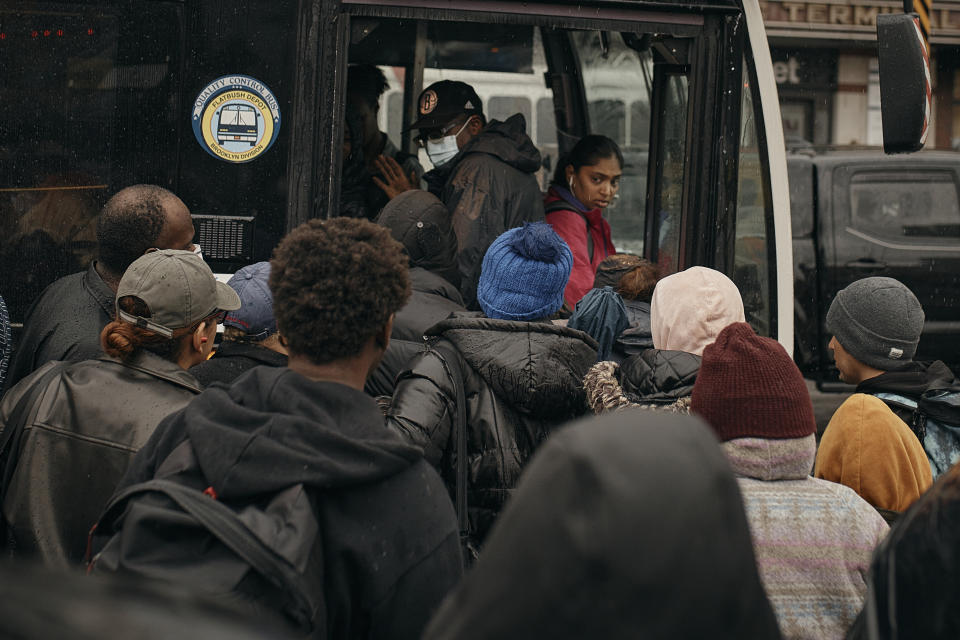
(935, 419)
(259, 554)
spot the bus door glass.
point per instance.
(89, 96)
(618, 85)
(752, 270)
(565, 83)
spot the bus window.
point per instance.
(502, 107)
(751, 271)
(505, 65)
(81, 116)
(672, 148)
(614, 73)
(394, 114)
(639, 123)
(608, 118)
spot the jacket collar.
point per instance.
(154, 365)
(771, 459)
(99, 290)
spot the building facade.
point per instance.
(825, 61)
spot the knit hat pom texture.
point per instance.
(524, 273)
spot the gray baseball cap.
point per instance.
(178, 288)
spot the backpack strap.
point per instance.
(221, 521)
(451, 362)
(900, 403)
(562, 205)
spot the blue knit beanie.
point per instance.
(524, 273)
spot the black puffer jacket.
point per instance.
(655, 379)
(520, 380)
(433, 299)
(488, 187)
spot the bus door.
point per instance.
(673, 88)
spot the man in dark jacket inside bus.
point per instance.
(378, 532)
(483, 172)
(520, 374)
(65, 321)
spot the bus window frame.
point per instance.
(708, 198)
(684, 23)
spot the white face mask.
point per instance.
(443, 150)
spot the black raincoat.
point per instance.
(626, 526)
(387, 546)
(488, 187)
(520, 380)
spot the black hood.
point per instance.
(435, 284)
(536, 367)
(911, 380)
(630, 525)
(658, 375)
(251, 438)
(506, 140)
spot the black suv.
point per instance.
(859, 214)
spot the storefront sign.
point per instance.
(857, 20)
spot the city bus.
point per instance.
(98, 96)
(237, 122)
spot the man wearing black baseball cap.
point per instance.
(483, 172)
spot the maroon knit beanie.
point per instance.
(748, 387)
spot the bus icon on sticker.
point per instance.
(236, 118)
(237, 123)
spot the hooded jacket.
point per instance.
(602, 540)
(433, 299)
(387, 538)
(637, 337)
(63, 324)
(869, 449)
(520, 380)
(232, 360)
(573, 223)
(88, 426)
(813, 539)
(488, 187)
(690, 308)
(654, 379)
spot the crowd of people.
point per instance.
(468, 417)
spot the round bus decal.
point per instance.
(236, 118)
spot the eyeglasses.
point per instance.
(435, 135)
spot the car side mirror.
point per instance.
(905, 94)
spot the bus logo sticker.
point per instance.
(236, 118)
(428, 102)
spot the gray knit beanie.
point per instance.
(878, 321)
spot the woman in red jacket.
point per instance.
(585, 183)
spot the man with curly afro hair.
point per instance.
(378, 536)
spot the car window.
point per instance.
(906, 207)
